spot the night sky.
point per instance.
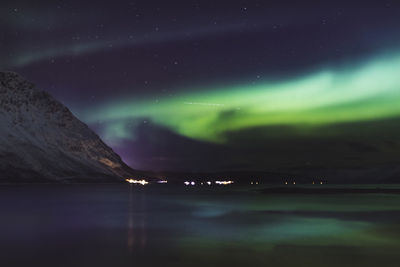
(219, 85)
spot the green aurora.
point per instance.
(352, 93)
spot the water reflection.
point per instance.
(137, 231)
(124, 226)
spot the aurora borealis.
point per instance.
(244, 85)
(365, 92)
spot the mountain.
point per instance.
(42, 141)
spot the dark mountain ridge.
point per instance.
(42, 141)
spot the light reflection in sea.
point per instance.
(124, 225)
(137, 230)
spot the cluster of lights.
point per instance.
(209, 182)
(133, 181)
(294, 182)
(192, 183)
(319, 182)
(224, 182)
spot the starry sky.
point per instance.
(219, 85)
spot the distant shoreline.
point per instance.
(325, 190)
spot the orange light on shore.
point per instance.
(224, 182)
(133, 181)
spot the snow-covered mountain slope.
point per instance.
(41, 140)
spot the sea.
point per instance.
(177, 225)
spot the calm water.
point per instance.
(123, 225)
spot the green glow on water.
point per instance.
(295, 230)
